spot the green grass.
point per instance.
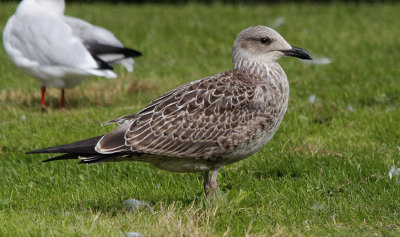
(324, 172)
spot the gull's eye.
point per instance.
(265, 40)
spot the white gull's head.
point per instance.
(263, 45)
(53, 6)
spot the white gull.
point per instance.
(61, 51)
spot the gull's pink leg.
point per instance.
(206, 184)
(43, 102)
(213, 182)
(62, 99)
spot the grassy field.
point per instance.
(324, 173)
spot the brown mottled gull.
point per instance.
(203, 125)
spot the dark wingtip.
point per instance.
(79, 147)
(72, 156)
(132, 53)
(37, 151)
(51, 159)
(97, 49)
(102, 64)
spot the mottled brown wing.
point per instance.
(195, 120)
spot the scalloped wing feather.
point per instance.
(203, 119)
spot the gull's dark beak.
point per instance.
(298, 53)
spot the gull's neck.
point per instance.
(257, 68)
(265, 73)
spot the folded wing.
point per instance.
(196, 120)
(102, 43)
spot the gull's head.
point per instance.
(264, 45)
(54, 6)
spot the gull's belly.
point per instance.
(250, 148)
(188, 165)
(183, 165)
(261, 138)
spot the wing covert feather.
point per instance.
(204, 119)
(196, 119)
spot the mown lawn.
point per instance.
(324, 173)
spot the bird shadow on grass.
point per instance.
(118, 206)
(91, 94)
(29, 102)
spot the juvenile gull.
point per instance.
(61, 51)
(203, 125)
